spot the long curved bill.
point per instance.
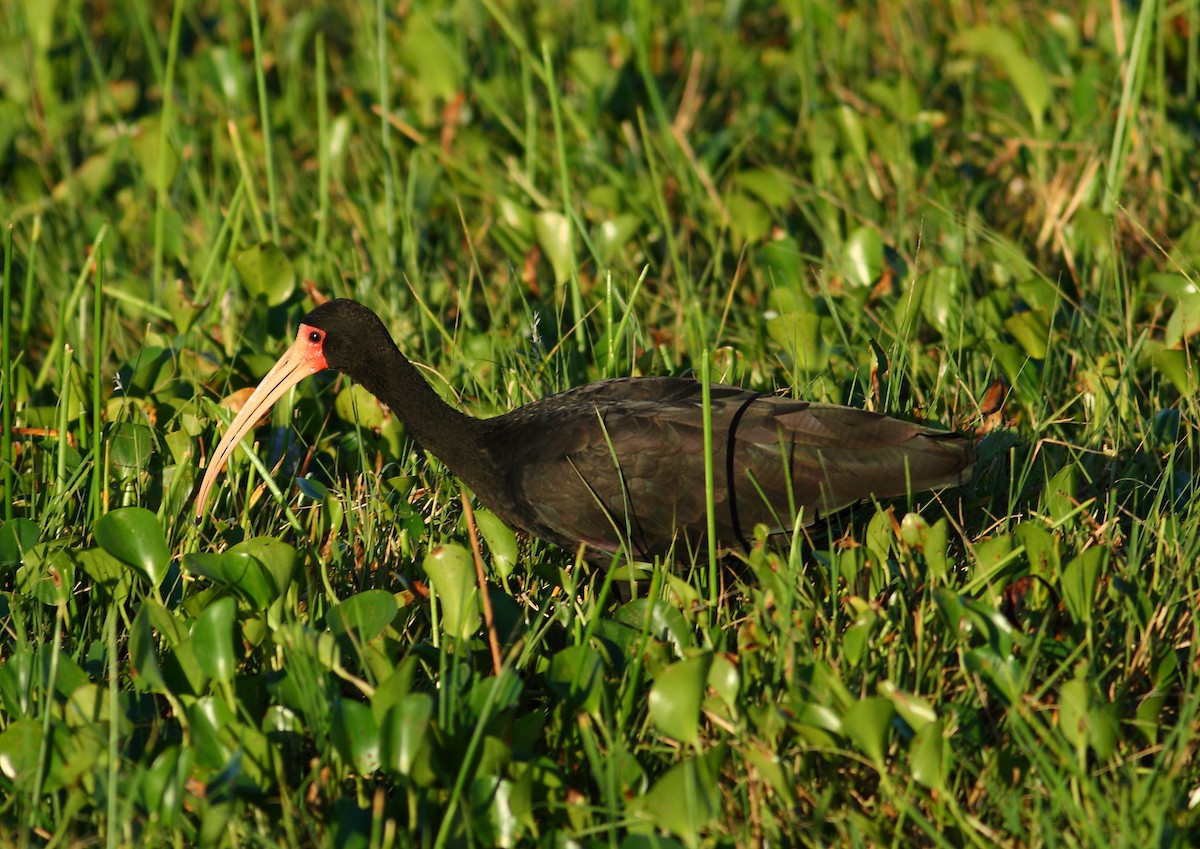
(305, 357)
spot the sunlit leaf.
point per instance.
(867, 723)
(404, 731)
(134, 536)
(356, 735)
(451, 572)
(266, 272)
(212, 638)
(364, 615)
(676, 696)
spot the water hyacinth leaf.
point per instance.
(451, 573)
(916, 711)
(130, 446)
(275, 556)
(1026, 75)
(576, 674)
(613, 234)
(404, 731)
(355, 404)
(211, 721)
(1179, 367)
(662, 621)
(17, 537)
(500, 539)
(363, 616)
(553, 233)
(1031, 329)
(798, 334)
(134, 536)
(862, 258)
(212, 639)
(47, 574)
(1003, 674)
(867, 723)
(1079, 579)
(19, 745)
(780, 261)
(243, 573)
(686, 801)
(676, 696)
(1058, 498)
(106, 572)
(162, 787)
(1184, 322)
(725, 679)
(266, 273)
(749, 220)
(927, 757)
(143, 654)
(356, 735)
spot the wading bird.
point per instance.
(620, 462)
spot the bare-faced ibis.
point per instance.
(621, 460)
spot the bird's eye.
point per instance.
(314, 337)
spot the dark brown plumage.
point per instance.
(622, 460)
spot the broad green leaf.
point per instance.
(212, 639)
(661, 620)
(107, 572)
(274, 555)
(143, 654)
(158, 162)
(500, 539)
(782, 265)
(266, 273)
(613, 234)
(1079, 581)
(211, 722)
(927, 756)
(1026, 76)
(749, 220)
(404, 731)
(17, 537)
(862, 258)
(1180, 367)
(134, 536)
(19, 745)
(356, 735)
(130, 446)
(577, 674)
(1184, 322)
(356, 405)
(451, 574)
(799, 335)
(1031, 329)
(364, 615)
(867, 723)
(553, 233)
(913, 709)
(676, 696)
(1004, 674)
(686, 800)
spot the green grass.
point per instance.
(892, 205)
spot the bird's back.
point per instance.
(623, 460)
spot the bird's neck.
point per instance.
(452, 436)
